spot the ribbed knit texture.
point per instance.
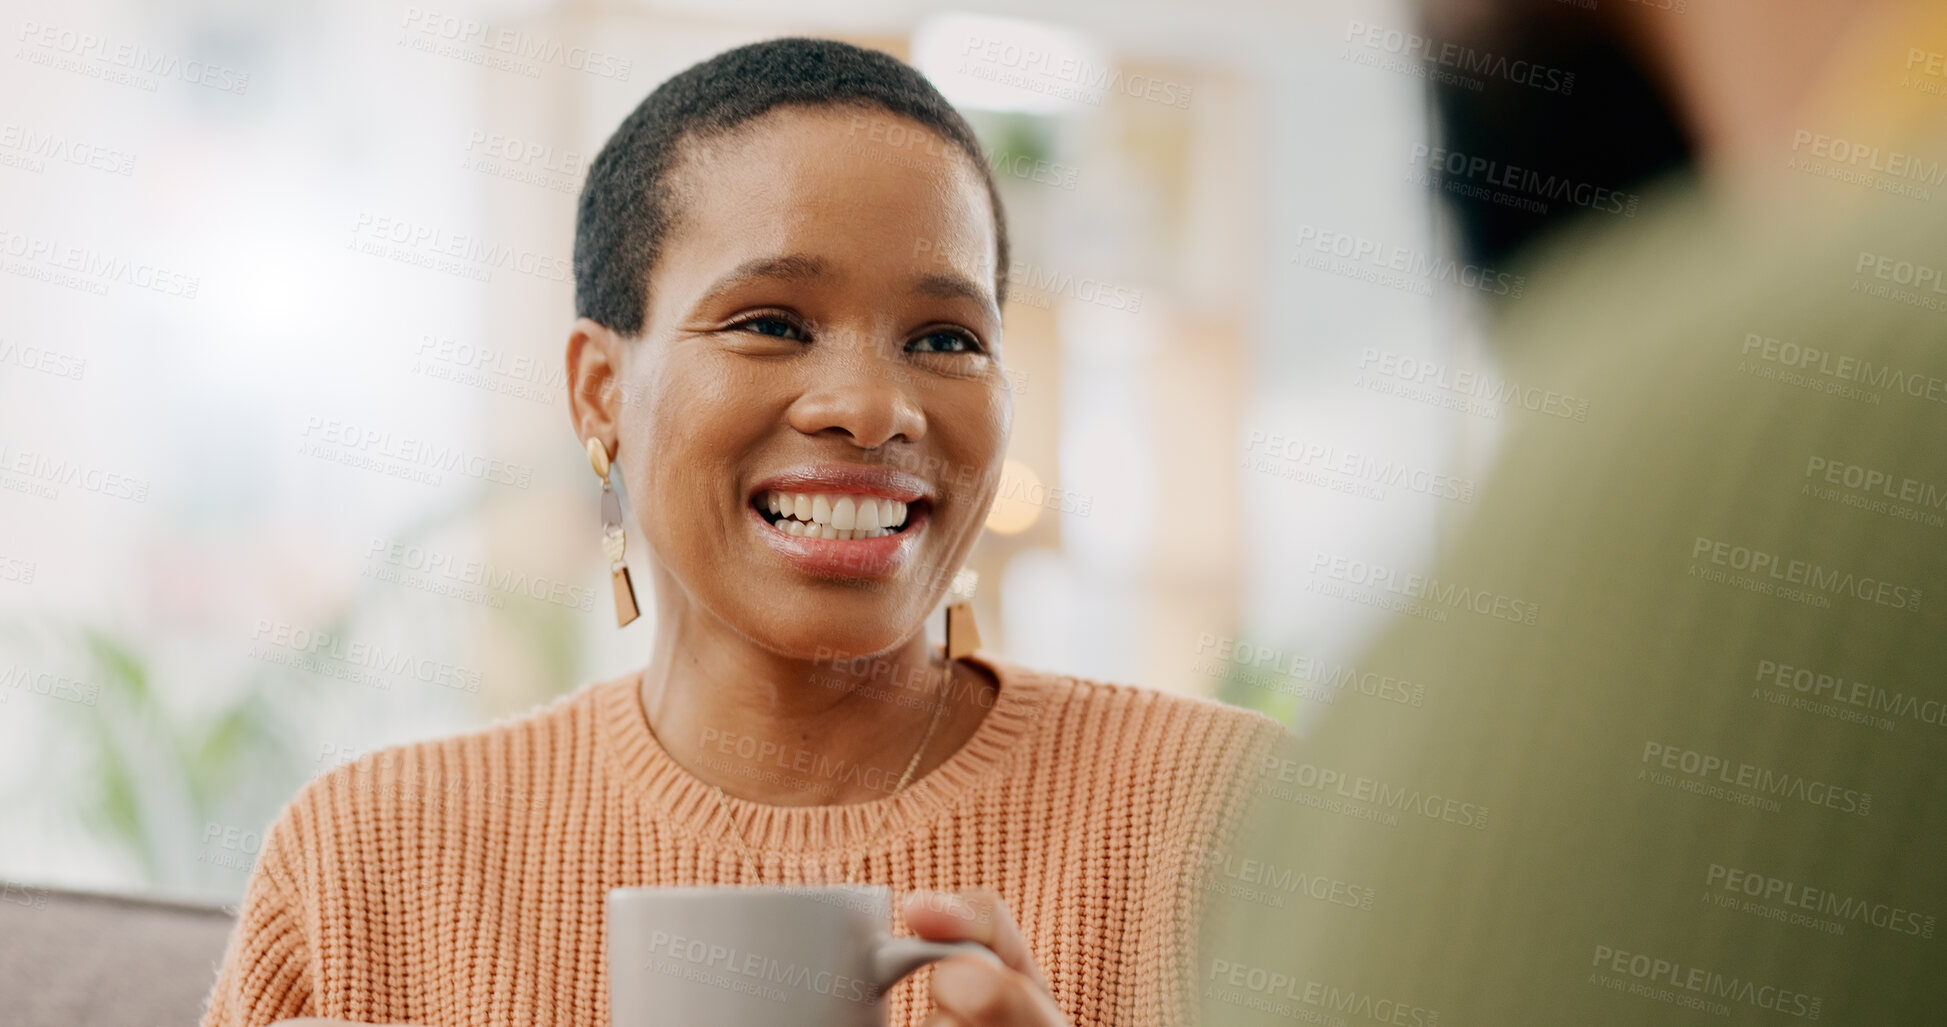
(461, 881)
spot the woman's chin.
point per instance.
(825, 638)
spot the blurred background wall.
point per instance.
(286, 472)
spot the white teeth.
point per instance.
(835, 515)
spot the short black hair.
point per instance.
(627, 207)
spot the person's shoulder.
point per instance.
(1143, 714)
(487, 764)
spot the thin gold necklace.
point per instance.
(939, 708)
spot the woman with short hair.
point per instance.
(789, 268)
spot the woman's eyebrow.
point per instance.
(802, 267)
(945, 285)
(795, 267)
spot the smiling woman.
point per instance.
(788, 346)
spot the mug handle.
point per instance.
(898, 955)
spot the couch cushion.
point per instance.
(71, 958)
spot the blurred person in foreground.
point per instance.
(1707, 783)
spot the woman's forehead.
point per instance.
(806, 160)
(804, 183)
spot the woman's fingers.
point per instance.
(973, 992)
(977, 993)
(975, 914)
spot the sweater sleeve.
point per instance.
(266, 972)
(1243, 740)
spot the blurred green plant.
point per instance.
(1238, 688)
(154, 779)
(179, 784)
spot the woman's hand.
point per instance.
(972, 992)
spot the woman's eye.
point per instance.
(772, 326)
(945, 342)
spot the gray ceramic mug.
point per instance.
(759, 956)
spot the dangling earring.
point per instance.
(614, 542)
(962, 634)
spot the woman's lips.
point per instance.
(843, 558)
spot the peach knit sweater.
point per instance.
(461, 881)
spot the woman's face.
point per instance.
(821, 350)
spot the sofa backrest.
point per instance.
(73, 958)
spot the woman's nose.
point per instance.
(862, 392)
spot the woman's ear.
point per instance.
(595, 381)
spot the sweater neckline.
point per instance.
(687, 803)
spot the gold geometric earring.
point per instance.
(962, 634)
(614, 540)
